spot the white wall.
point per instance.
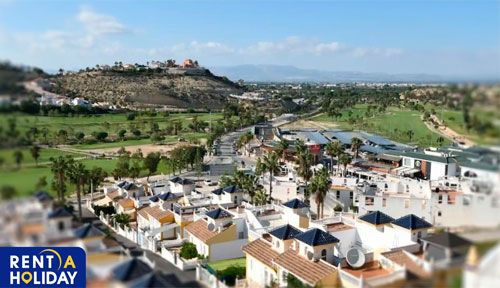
(257, 273)
(227, 250)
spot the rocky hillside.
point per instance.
(147, 88)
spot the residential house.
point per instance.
(219, 235)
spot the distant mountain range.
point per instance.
(279, 73)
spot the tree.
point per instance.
(18, 157)
(79, 136)
(122, 168)
(96, 177)
(151, 162)
(410, 134)
(35, 153)
(100, 136)
(78, 174)
(270, 164)
(188, 251)
(7, 192)
(260, 198)
(334, 149)
(283, 146)
(319, 187)
(440, 140)
(121, 133)
(356, 145)
(122, 219)
(58, 167)
(42, 182)
(344, 160)
(304, 162)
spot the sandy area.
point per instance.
(310, 124)
(145, 148)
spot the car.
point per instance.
(209, 182)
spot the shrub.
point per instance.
(231, 273)
(121, 133)
(131, 116)
(338, 208)
(189, 251)
(106, 210)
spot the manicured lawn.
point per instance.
(45, 155)
(392, 124)
(111, 123)
(25, 179)
(455, 120)
(223, 264)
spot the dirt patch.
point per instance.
(145, 148)
(310, 124)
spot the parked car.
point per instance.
(209, 182)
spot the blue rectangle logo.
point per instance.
(42, 267)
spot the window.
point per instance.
(323, 254)
(419, 234)
(440, 199)
(384, 202)
(369, 201)
(241, 235)
(439, 213)
(350, 195)
(407, 203)
(338, 194)
(277, 244)
(407, 162)
(60, 226)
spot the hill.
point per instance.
(195, 89)
(283, 73)
(13, 76)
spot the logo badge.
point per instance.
(42, 267)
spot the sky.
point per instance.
(460, 38)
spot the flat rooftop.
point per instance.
(369, 270)
(337, 227)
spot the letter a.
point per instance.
(69, 261)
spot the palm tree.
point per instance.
(35, 153)
(18, 156)
(334, 149)
(345, 159)
(300, 146)
(270, 164)
(440, 140)
(260, 198)
(78, 174)
(410, 134)
(304, 161)
(319, 187)
(355, 145)
(58, 167)
(283, 146)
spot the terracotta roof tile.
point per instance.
(200, 230)
(126, 203)
(113, 195)
(309, 271)
(401, 258)
(154, 212)
(262, 251)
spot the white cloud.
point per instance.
(100, 24)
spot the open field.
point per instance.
(25, 179)
(111, 123)
(455, 120)
(147, 141)
(392, 124)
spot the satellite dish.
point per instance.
(418, 163)
(355, 258)
(211, 227)
(310, 255)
